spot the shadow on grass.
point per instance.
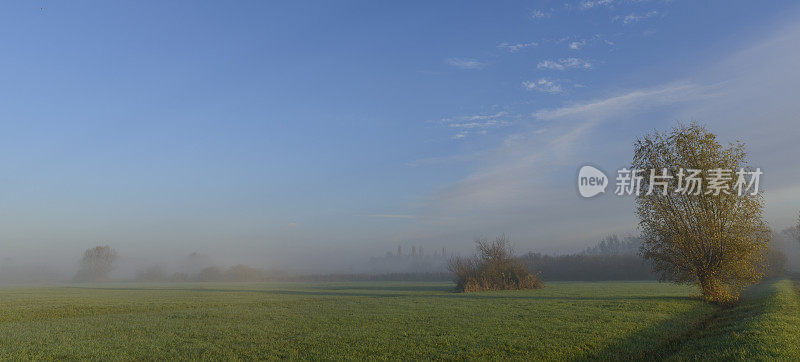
(762, 327)
(724, 333)
(656, 342)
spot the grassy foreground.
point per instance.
(766, 325)
(392, 320)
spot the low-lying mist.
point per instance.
(611, 258)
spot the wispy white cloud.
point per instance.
(577, 45)
(634, 18)
(467, 125)
(540, 14)
(550, 64)
(483, 124)
(516, 47)
(630, 102)
(565, 63)
(573, 42)
(544, 85)
(576, 63)
(487, 116)
(465, 63)
(592, 4)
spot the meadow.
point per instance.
(391, 320)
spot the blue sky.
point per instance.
(299, 130)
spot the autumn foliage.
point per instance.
(716, 241)
(494, 267)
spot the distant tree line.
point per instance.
(243, 273)
(236, 273)
(613, 245)
(365, 277)
(585, 267)
(612, 258)
(615, 258)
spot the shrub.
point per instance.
(493, 268)
(97, 262)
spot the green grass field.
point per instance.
(393, 320)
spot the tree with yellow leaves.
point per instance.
(716, 240)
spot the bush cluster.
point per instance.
(493, 268)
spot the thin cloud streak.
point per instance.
(544, 85)
(565, 63)
(513, 48)
(465, 63)
(633, 101)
